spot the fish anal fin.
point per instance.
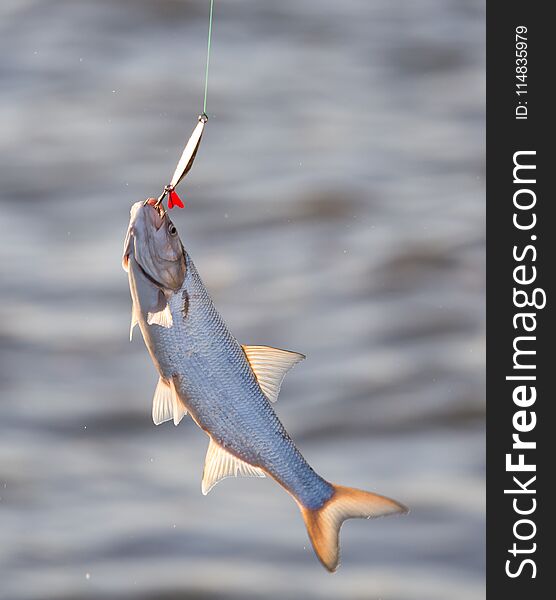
(166, 403)
(162, 317)
(323, 524)
(270, 366)
(219, 464)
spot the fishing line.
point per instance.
(208, 56)
(190, 151)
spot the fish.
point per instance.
(227, 388)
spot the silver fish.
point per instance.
(226, 387)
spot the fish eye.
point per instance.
(172, 229)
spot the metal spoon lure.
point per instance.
(184, 165)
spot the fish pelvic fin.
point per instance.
(166, 403)
(323, 524)
(270, 366)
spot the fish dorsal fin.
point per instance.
(220, 464)
(166, 403)
(162, 317)
(270, 366)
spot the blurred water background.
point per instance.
(336, 208)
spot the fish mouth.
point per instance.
(158, 214)
(156, 217)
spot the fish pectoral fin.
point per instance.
(162, 317)
(270, 366)
(166, 403)
(220, 464)
(134, 321)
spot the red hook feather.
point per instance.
(174, 200)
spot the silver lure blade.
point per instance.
(190, 151)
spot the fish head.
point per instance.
(152, 240)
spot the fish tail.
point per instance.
(323, 524)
